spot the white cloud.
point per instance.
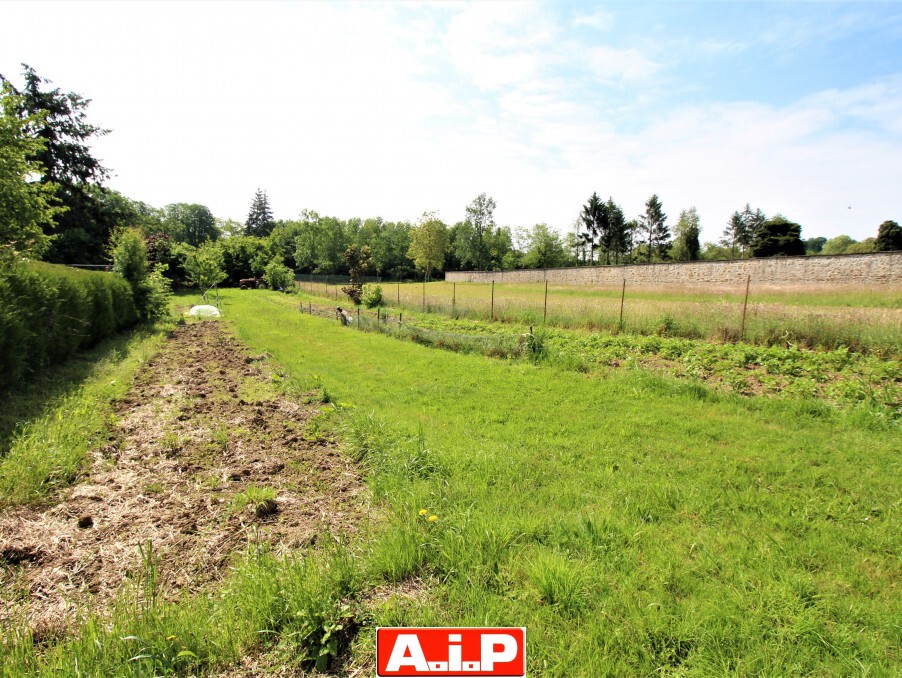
(390, 109)
(609, 64)
(600, 19)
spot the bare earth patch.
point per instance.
(206, 455)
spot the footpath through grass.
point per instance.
(633, 524)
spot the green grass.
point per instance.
(633, 523)
(49, 425)
(855, 317)
(838, 378)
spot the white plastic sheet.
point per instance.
(204, 311)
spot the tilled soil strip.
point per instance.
(202, 424)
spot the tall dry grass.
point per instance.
(862, 319)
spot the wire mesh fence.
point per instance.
(861, 319)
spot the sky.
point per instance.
(393, 109)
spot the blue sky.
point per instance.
(397, 108)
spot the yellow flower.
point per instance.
(433, 519)
(423, 512)
(170, 637)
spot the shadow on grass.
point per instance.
(31, 397)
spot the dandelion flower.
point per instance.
(433, 519)
(423, 512)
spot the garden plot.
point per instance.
(206, 454)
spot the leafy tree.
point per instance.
(162, 256)
(229, 228)
(545, 248)
(778, 236)
(574, 244)
(864, 247)
(320, 244)
(838, 245)
(389, 243)
(244, 256)
(191, 224)
(129, 255)
(889, 237)
(278, 276)
(653, 226)
(26, 207)
(358, 262)
(204, 266)
(429, 243)
(457, 234)
(151, 291)
(499, 243)
(815, 245)
(686, 232)
(464, 246)
(259, 219)
(715, 252)
(632, 237)
(59, 120)
(480, 217)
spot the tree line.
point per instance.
(53, 205)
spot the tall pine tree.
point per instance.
(616, 236)
(259, 219)
(653, 225)
(594, 220)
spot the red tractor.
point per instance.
(252, 283)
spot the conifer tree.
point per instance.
(594, 220)
(616, 240)
(653, 225)
(259, 219)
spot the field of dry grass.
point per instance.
(863, 319)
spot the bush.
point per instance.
(151, 291)
(278, 276)
(371, 296)
(47, 312)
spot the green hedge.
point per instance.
(47, 312)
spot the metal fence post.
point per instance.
(493, 301)
(745, 304)
(622, 295)
(545, 313)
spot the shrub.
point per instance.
(371, 296)
(151, 291)
(48, 311)
(278, 276)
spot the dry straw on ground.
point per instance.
(202, 429)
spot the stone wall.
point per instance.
(879, 268)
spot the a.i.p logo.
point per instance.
(451, 652)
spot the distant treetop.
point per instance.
(259, 219)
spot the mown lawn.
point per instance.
(633, 524)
